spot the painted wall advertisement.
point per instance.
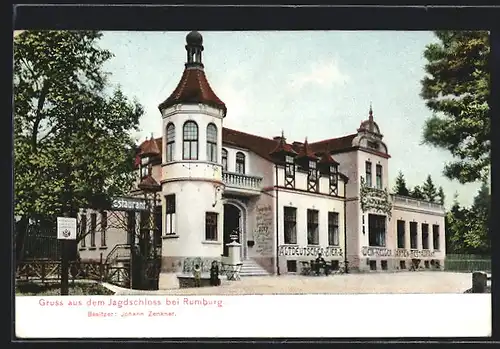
(310, 251)
(397, 253)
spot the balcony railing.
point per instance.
(243, 181)
(425, 205)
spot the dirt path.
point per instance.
(404, 282)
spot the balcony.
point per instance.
(405, 202)
(242, 184)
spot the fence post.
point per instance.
(479, 282)
(43, 272)
(101, 269)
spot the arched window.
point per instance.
(212, 143)
(224, 159)
(190, 141)
(240, 162)
(170, 142)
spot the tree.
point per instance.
(467, 229)
(429, 190)
(456, 90)
(417, 193)
(72, 132)
(441, 196)
(400, 188)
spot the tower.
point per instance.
(191, 170)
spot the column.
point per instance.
(407, 235)
(419, 236)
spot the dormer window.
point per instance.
(373, 145)
(312, 177)
(333, 179)
(144, 167)
(289, 172)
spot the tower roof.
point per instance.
(193, 88)
(282, 147)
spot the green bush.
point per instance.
(77, 289)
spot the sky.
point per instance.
(314, 84)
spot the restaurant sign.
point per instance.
(128, 204)
(309, 251)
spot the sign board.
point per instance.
(128, 204)
(66, 228)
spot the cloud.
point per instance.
(324, 74)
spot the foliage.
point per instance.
(72, 141)
(456, 89)
(429, 190)
(417, 193)
(400, 188)
(467, 229)
(375, 199)
(441, 196)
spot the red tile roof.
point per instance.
(150, 148)
(193, 88)
(306, 152)
(265, 146)
(149, 184)
(282, 147)
(327, 159)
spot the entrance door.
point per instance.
(232, 215)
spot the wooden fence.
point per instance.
(467, 263)
(46, 271)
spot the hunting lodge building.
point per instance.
(285, 201)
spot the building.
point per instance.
(286, 201)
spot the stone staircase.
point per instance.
(252, 268)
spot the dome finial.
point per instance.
(194, 48)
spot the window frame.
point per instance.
(224, 159)
(401, 243)
(240, 163)
(333, 229)
(170, 142)
(170, 221)
(312, 227)
(93, 228)
(435, 237)
(83, 230)
(378, 177)
(191, 140)
(290, 223)
(368, 173)
(211, 143)
(213, 225)
(104, 227)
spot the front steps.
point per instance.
(252, 268)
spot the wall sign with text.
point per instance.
(374, 199)
(310, 251)
(397, 253)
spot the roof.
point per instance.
(150, 148)
(326, 158)
(193, 88)
(282, 147)
(263, 146)
(306, 152)
(149, 184)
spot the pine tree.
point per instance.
(441, 196)
(429, 190)
(417, 193)
(400, 188)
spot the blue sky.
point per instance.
(314, 84)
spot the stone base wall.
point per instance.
(266, 262)
(185, 265)
(398, 264)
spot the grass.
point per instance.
(77, 289)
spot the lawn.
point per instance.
(76, 289)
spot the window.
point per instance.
(240, 163)
(170, 214)
(373, 265)
(383, 264)
(368, 171)
(376, 230)
(170, 142)
(312, 227)
(312, 177)
(93, 227)
(212, 143)
(335, 265)
(224, 159)
(83, 229)
(401, 233)
(373, 145)
(130, 227)
(334, 179)
(426, 264)
(435, 237)
(402, 264)
(144, 167)
(190, 137)
(289, 172)
(378, 174)
(291, 266)
(413, 235)
(211, 226)
(425, 236)
(104, 227)
(290, 225)
(333, 229)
